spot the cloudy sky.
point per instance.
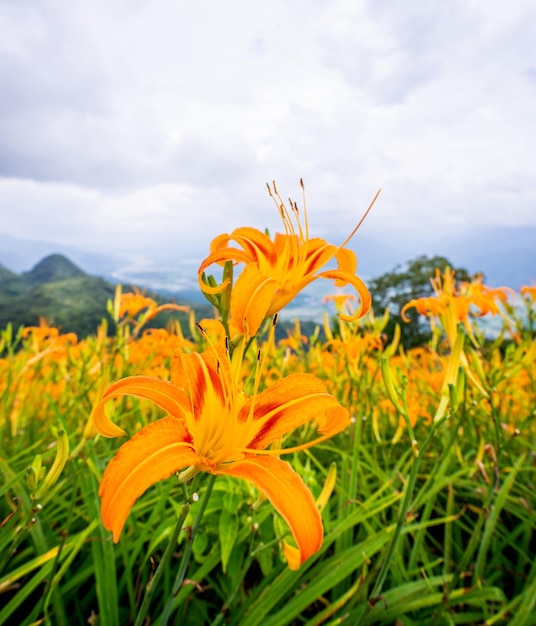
(144, 128)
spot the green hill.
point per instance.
(63, 294)
(53, 268)
(68, 298)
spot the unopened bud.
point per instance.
(62, 454)
(390, 385)
(35, 473)
(31, 478)
(327, 489)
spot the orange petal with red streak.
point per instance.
(252, 295)
(290, 497)
(165, 395)
(290, 403)
(156, 452)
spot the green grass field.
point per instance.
(431, 517)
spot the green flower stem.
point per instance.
(245, 568)
(243, 571)
(187, 551)
(375, 594)
(153, 583)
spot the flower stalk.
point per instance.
(188, 550)
(172, 544)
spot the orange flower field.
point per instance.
(216, 474)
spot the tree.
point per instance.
(404, 283)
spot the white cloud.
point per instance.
(152, 126)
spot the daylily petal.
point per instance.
(188, 372)
(252, 296)
(284, 296)
(290, 497)
(290, 403)
(343, 278)
(167, 307)
(318, 254)
(255, 243)
(167, 396)
(220, 256)
(154, 453)
(219, 242)
(347, 260)
(292, 555)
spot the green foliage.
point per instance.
(404, 283)
(53, 268)
(429, 524)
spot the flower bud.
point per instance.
(391, 386)
(62, 454)
(327, 489)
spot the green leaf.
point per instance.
(228, 532)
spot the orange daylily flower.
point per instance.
(452, 302)
(276, 271)
(213, 426)
(49, 336)
(131, 303)
(340, 300)
(529, 292)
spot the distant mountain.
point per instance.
(19, 254)
(6, 274)
(63, 294)
(68, 298)
(53, 268)
(505, 254)
(8, 280)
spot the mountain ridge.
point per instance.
(59, 291)
(67, 297)
(52, 268)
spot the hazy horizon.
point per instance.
(142, 130)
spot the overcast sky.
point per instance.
(148, 127)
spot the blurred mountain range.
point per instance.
(506, 256)
(65, 296)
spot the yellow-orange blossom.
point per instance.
(276, 271)
(453, 302)
(212, 425)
